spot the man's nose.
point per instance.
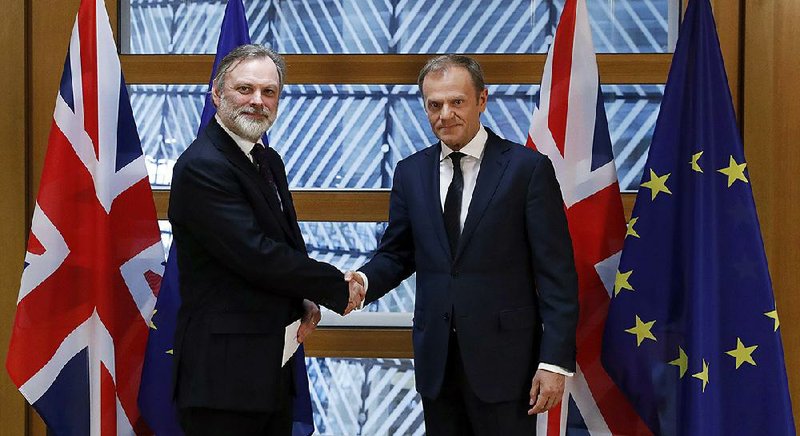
(446, 113)
(256, 98)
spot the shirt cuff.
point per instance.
(366, 286)
(555, 369)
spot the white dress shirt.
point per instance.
(470, 166)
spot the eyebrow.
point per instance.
(447, 98)
(253, 83)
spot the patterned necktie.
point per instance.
(452, 203)
(260, 158)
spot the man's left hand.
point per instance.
(311, 317)
(547, 389)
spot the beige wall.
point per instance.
(772, 147)
(13, 205)
(36, 32)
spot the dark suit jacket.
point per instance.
(510, 289)
(243, 272)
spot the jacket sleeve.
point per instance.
(208, 201)
(394, 259)
(553, 266)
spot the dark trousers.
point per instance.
(459, 412)
(200, 421)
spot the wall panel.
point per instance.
(727, 14)
(13, 207)
(771, 137)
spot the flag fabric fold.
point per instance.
(692, 335)
(94, 258)
(156, 396)
(570, 127)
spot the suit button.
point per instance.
(446, 316)
(454, 272)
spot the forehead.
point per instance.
(453, 81)
(258, 70)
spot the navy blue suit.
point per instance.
(510, 289)
(244, 272)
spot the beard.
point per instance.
(240, 123)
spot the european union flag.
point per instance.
(692, 335)
(155, 393)
(155, 390)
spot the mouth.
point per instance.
(254, 115)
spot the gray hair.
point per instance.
(247, 52)
(445, 62)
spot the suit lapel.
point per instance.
(234, 154)
(282, 183)
(493, 165)
(299, 242)
(429, 175)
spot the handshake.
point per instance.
(357, 291)
(312, 314)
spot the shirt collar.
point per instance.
(244, 144)
(474, 147)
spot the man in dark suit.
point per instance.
(244, 271)
(481, 221)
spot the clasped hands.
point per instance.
(312, 314)
(357, 291)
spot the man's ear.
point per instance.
(483, 97)
(215, 97)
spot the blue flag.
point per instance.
(692, 335)
(234, 32)
(155, 394)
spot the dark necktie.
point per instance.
(260, 158)
(452, 203)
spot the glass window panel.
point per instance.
(352, 136)
(365, 397)
(632, 111)
(396, 26)
(350, 245)
(166, 234)
(167, 118)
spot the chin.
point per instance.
(451, 136)
(451, 140)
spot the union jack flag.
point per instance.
(570, 127)
(94, 259)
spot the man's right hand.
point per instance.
(357, 291)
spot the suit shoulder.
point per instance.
(523, 155)
(518, 151)
(522, 151)
(202, 156)
(419, 156)
(201, 149)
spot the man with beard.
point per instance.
(244, 271)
